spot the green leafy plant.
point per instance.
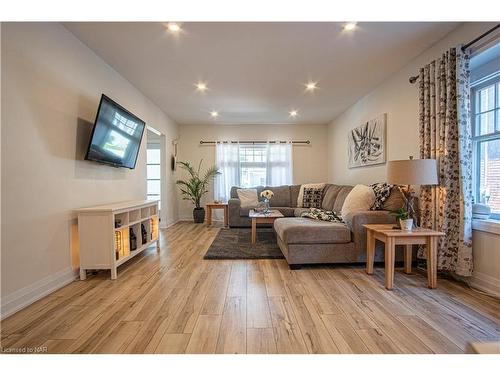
(196, 186)
(401, 214)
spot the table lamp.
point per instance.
(411, 172)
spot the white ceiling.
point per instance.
(255, 71)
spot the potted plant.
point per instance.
(403, 216)
(196, 186)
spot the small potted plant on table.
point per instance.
(196, 186)
(404, 219)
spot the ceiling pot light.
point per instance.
(214, 114)
(293, 113)
(201, 86)
(173, 27)
(311, 86)
(350, 26)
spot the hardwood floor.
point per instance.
(173, 301)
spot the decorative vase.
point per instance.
(266, 206)
(406, 224)
(199, 215)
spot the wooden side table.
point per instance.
(392, 237)
(217, 206)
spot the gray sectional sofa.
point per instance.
(309, 241)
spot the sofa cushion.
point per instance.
(312, 197)
(329, 195)
(300, 199)
(395, 200)
(248, 198)
(281, 196)
(301, 230)
(286, 211)
(382, 191)
(294, 195)
(298, 211)
(341, 196)
(361, 198)
(234, 190)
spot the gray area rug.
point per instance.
(236, 243)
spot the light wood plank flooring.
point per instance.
(173, 301)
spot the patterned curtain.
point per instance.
(445, 135)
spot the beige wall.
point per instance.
(51, 86)
(399, 99)
(309, 164)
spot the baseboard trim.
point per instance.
(485, 283)
(169, 225)
(24, 297)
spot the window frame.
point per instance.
(252, 164)
(154, 196)
(478, 140)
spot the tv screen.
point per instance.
(116, 137)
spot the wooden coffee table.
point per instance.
(215, 206)
(260, 218)
(392, 237)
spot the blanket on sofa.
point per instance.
(323, 215)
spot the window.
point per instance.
(253, 165)
(485, 96)
(153, 165)
(250, 165)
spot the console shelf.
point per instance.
(105, 231)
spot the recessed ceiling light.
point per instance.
(311, 86)
(173, 27)
(350, 26)
(214, 114)
(293, 113)
(201, 86)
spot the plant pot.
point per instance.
(406, 224)
(199, 215)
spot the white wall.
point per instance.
(399, 99)
(309, 161)
(51, 86)
(486, 275)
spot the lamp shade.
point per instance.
(412, 172)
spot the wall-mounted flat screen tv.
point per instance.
(116, 137)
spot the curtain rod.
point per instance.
(464, 47)
(255, 142)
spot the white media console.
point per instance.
(105, 234)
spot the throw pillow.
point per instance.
(323, 215)
(312, 197)
(395, 201)
(382, 191)
(300, 198)
(248, 198)
(361, 198)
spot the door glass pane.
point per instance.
(489, 174)
(153, 172)
(153, 156)
(154, 187)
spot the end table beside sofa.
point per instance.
(392, 237)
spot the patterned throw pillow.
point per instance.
(382, 191)
(312, 197)
(317, 214)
